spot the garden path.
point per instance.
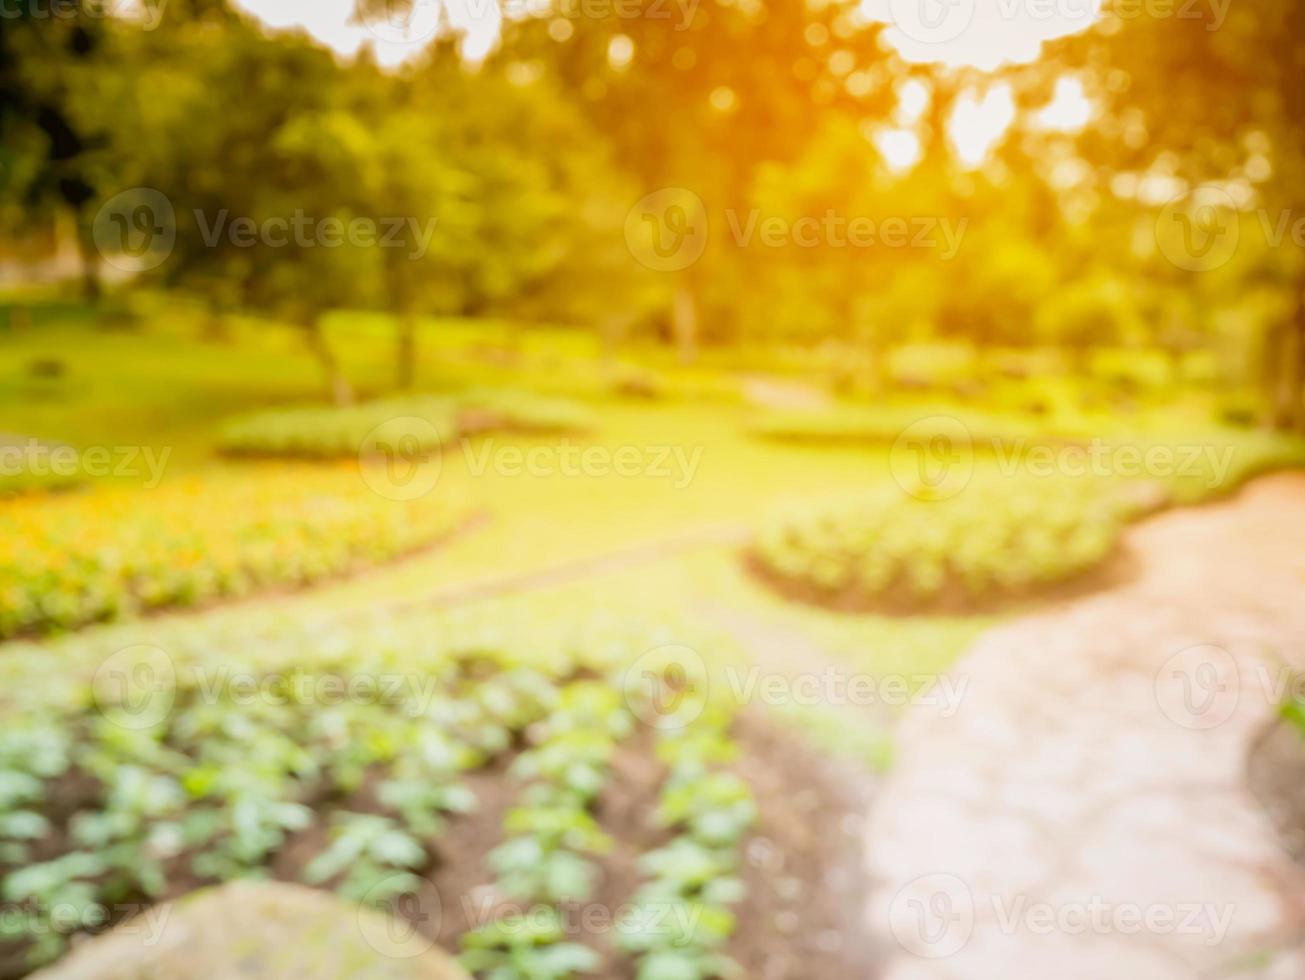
(1086, 813)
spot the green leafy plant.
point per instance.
(530, 947)
(66, 884)
(695, 876)
(371, 851)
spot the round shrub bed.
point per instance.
(996, 540)
(418, 423)
(336, 433)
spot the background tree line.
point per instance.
(530, 162)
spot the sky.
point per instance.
(395, 39)
(978, 33)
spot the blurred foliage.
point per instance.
(525, 166)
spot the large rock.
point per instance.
(258, 931)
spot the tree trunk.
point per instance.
(405, 366)
(89, 256)
(1286, 371)
(340, 390)
(684, 322)
(18, 318)
(1289, 373)
(611, 333)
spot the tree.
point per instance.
(1209, 105)
(702, 97)
(55, 130)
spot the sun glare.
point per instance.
(979, 122)
(1069, 109)
(981, 34)
(395, 37)
(975, 33)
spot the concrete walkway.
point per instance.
(1085, 813)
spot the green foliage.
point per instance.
(399, 425)
(220, 781)
(525, 948)
(255, 748)
(1232, 459)
(22, 471)
(374, 851)
(409, 425)
(996, 537)
(882, 425)
(695, 875)
(549, 834)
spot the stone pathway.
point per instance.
(1085, 814)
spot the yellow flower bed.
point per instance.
(113, 552)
